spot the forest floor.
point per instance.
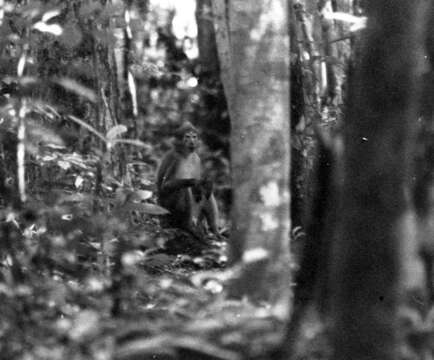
(116, 285)
(168, 305)
(87, 275)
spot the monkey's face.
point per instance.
(190, 141)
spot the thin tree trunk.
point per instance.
(331, 94)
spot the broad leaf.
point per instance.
(54, 29)
(116, 131)
(40, 134)
(152, 209)
(146, 208)
(140, 195)
(77, 88)
(50, 14)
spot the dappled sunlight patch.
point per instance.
(270, 194)
(255, 255)
(271, 198)
(269, 222)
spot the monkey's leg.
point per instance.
(185, 214)
(211, 213)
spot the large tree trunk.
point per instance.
(256, 80)
(423, 189)
(381, 109)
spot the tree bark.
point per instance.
(423, 187)
(378, 128)
(255, 73)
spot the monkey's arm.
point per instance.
(166, 169)
(166, 181)
(175, 184)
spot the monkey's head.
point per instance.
(188, 137)
(190, 140)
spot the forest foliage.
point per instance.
(91, 92)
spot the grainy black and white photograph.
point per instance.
(216, 180)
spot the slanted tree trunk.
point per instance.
(256, 81)
(381, 111)
(206, 40)
(220, 13)
(214, 120)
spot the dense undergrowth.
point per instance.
(83, 285)
(89, 274)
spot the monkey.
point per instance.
(181, 189)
